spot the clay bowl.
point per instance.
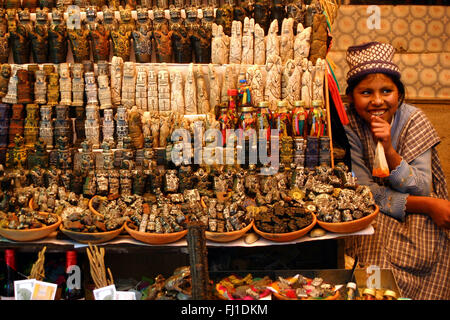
(93, 238)
(288, 236)
(227, 236)
(92, 208)
(350, 226)
(31, 234)
(155, 238)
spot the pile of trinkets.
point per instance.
(300, 287)
(235, 287)
(26, 219)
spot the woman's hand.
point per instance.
(436, 209)
(439, 211)
(381, 131)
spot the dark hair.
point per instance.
(398, 83)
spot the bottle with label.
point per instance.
(7, 289)
(351, 288)
(73, 287)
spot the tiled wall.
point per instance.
(421, 35)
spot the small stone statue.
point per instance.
(91, 88)
(291, 83)
(77, 85)
(121, 123)
(79, 39)
(19, 31)
(306, 91)
(272, 40)
(104, 92)
(181, 41)
(11, 93)
(201, 39)
(190, 92)
(215, 87)
(46, 126)
(65, 84)
(287, 40)
(39, 36)
(141, 89)
(273, 81)
(296, 10)
(57, 38)
(152, 93)
(142, 36)
(63, 124)
(109, 20)
(121, 41)
(99, 37)
(236, 43)
(116, 80)
(163, 40)
(260, 46)
(53, 89)
(256, 85)
(302, 43)
(248, 39)
(80, 118)
(92, 125)
(220, 45)
(5, 74)
(163, 90)
(129, 84)
(135, 128)
(177, 92)
(319, 78)
(16, 123)
(202, 94)
(31, 127)
(23, 87)
(40, 87)
(108, 126)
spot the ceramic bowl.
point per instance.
(93, 238)
(155, 238)
(30, 234)
(92, 208)
(227, 236)
(350, 226)
(288, 236)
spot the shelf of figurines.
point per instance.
(238, 205)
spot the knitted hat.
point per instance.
(371, 57)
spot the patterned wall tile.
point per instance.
(421, 35)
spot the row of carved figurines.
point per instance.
(161, 88)
(175, 40)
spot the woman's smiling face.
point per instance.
(375, 95)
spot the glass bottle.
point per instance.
(299, 116)
(351, 287)
(283, 119)
(225, 121)
(7, 290)
(263, 118)
(73, 286)
(247, 123)
(232, 106)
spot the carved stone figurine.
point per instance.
(104, 92)
(164, 90)
(152, 90)
(129, 84)
(181, 40)
(108, 126)
(77, 85)
(302, 43)
(11, 93)
(236, 43)
(31, 127)
(16, 123)
(65, 84)
(319, 78)
(121, 43)
(91, 88)
(53, 89)
(291, 83)
(39, 36)
(121, 124)
(5, 74)
(273, 81)
(79, 39)
(116, 80)
(215, 87)
(202, 93)
(248, 41)
(220, 45)
(46, 126)
(306, 92)
(99, 37)
(260, 46)
(177, 92)
(19, 31)
(163, 40)
(201, 39)
(135, 128)
(23, 87)
(141, 89)
(272, 40)
(287, 40)
(109, 20)
(40, 87)
(190, 92)
(142, 36)
(92, 125)
(57, 38)
(319, 37)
